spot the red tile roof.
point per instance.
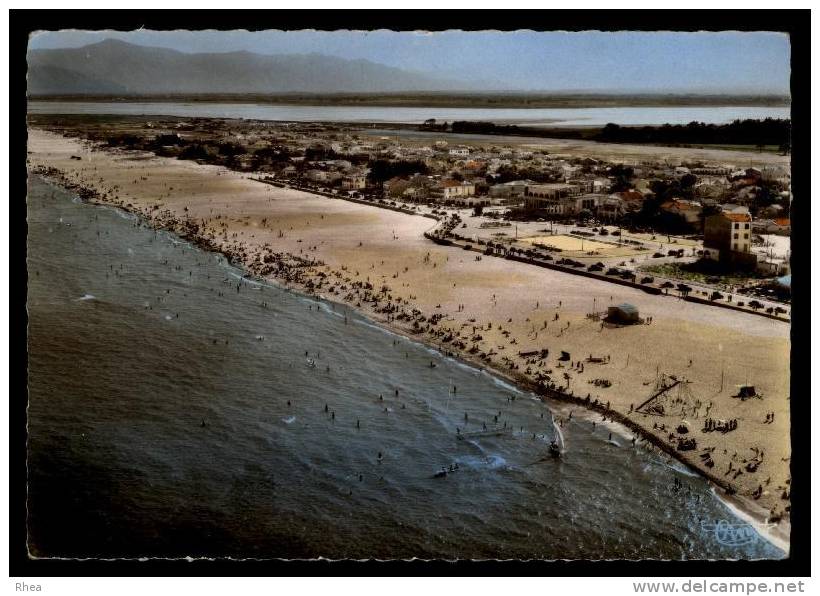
(680, 205)
(630, 195)
(451, 183)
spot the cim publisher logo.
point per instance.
(729, 534)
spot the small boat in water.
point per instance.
(311, 363)
(442, 473)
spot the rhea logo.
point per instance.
(24, 587)
(729, 534)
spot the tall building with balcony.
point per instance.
(727, 238)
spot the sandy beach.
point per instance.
(379, 261)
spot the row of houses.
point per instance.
(555, 199)
(567, 200)
(560, 199)
(348, 178)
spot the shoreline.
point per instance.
(451, 99)
(289, 207)
(556, 401)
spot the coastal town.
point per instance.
(678, 222)
(647, 288)
(513, 294)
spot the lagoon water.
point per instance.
(173, 412)
(625, 116)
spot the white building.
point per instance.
(727, 237)
(780, 226)
(548, 196)
(509, 190)
(453, 189)
(610, 208)
(354, 182)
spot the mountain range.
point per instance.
(117, 67)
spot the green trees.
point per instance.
(231, 149)
(769, 131)
(163, 140)
(383, 169)
(269, 155)
(686, 186)
(125, 140)
(194, 151)
(621, 178)
(706, 211)
(319, 153)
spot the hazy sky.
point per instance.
(522, 60)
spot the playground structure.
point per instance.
(663, 401)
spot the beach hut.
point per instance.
(625, 313)
(744, 392)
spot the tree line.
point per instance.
(769, 131)
(756, 133)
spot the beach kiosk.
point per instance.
(624, 314)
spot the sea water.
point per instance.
(551, 117)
